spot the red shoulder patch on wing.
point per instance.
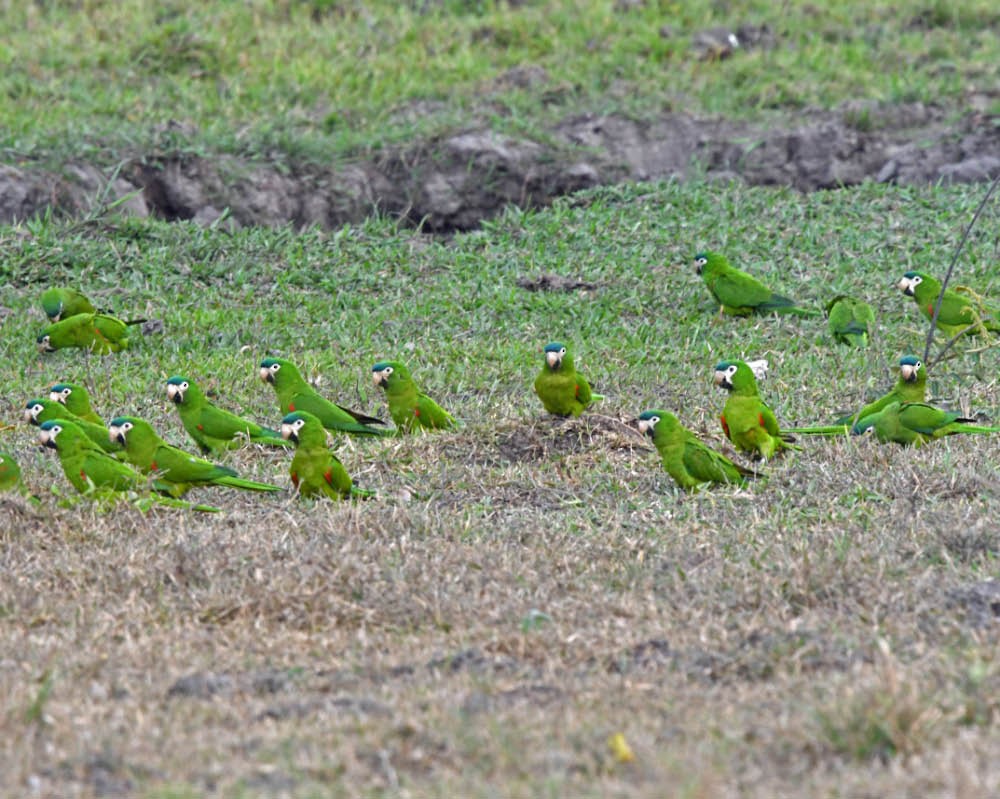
(725, 424)
(930, 309)
(200, 427)
(577, 391)
(83, 474)
(291, 407)
(295, 479)
(153, 467)
(416, 412)
(328, 476)
(760, 419)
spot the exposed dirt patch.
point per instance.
(554, 437)
(551, 282)
(454, 182)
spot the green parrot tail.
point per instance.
(145, 503)
(794, 310)
(361, 429)
(206, 508)
(595, 397)
(969, 428)
(824, 430)
(248, 485)
(361, 418)
(135, 321)
(781, 304)
(361, 493)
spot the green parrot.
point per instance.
(690, 462)
(741, 294)
(97, 332)
(37, 411)
(172, 465)
(410, 408)
(62, 303)
(92, 471)
(562, 390)
(916, 423)
(850, 320)
(213, 428)
(746, 419)
(77, 401)
(10, 472)
(958, 311)
(315, 470)
(295, 394)
(911, 386)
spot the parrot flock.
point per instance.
(128, 456)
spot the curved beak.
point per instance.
(46, 440)
(722, 379)
(29, 417)
(116, 435)
(43, 344)
(905, 285)
(646, 427)
(379, 378)
(266, 375)
(552, 359)
(55, 396)
(288, 432)
(175, 393)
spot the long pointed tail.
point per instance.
(824, 430)
(249, 485)
(961, 427)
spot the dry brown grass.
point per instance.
(831, 635)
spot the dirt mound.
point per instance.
(455, 182)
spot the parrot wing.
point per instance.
(738, 289)
(433, 415)
(707, 465)
(583, 393)
(179, 466)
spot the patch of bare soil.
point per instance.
(454, 182)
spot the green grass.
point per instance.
(315, 81)
(524, 587)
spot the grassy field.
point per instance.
(318, 80)
(526, 587)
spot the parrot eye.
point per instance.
(654, 420)
(731, 370)
(701, 261)
(126, 427)
(562, 350)
(916, 280)
(36, 409)
(55, 430)
(66, 392)
(184, 386)
(387, 371)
